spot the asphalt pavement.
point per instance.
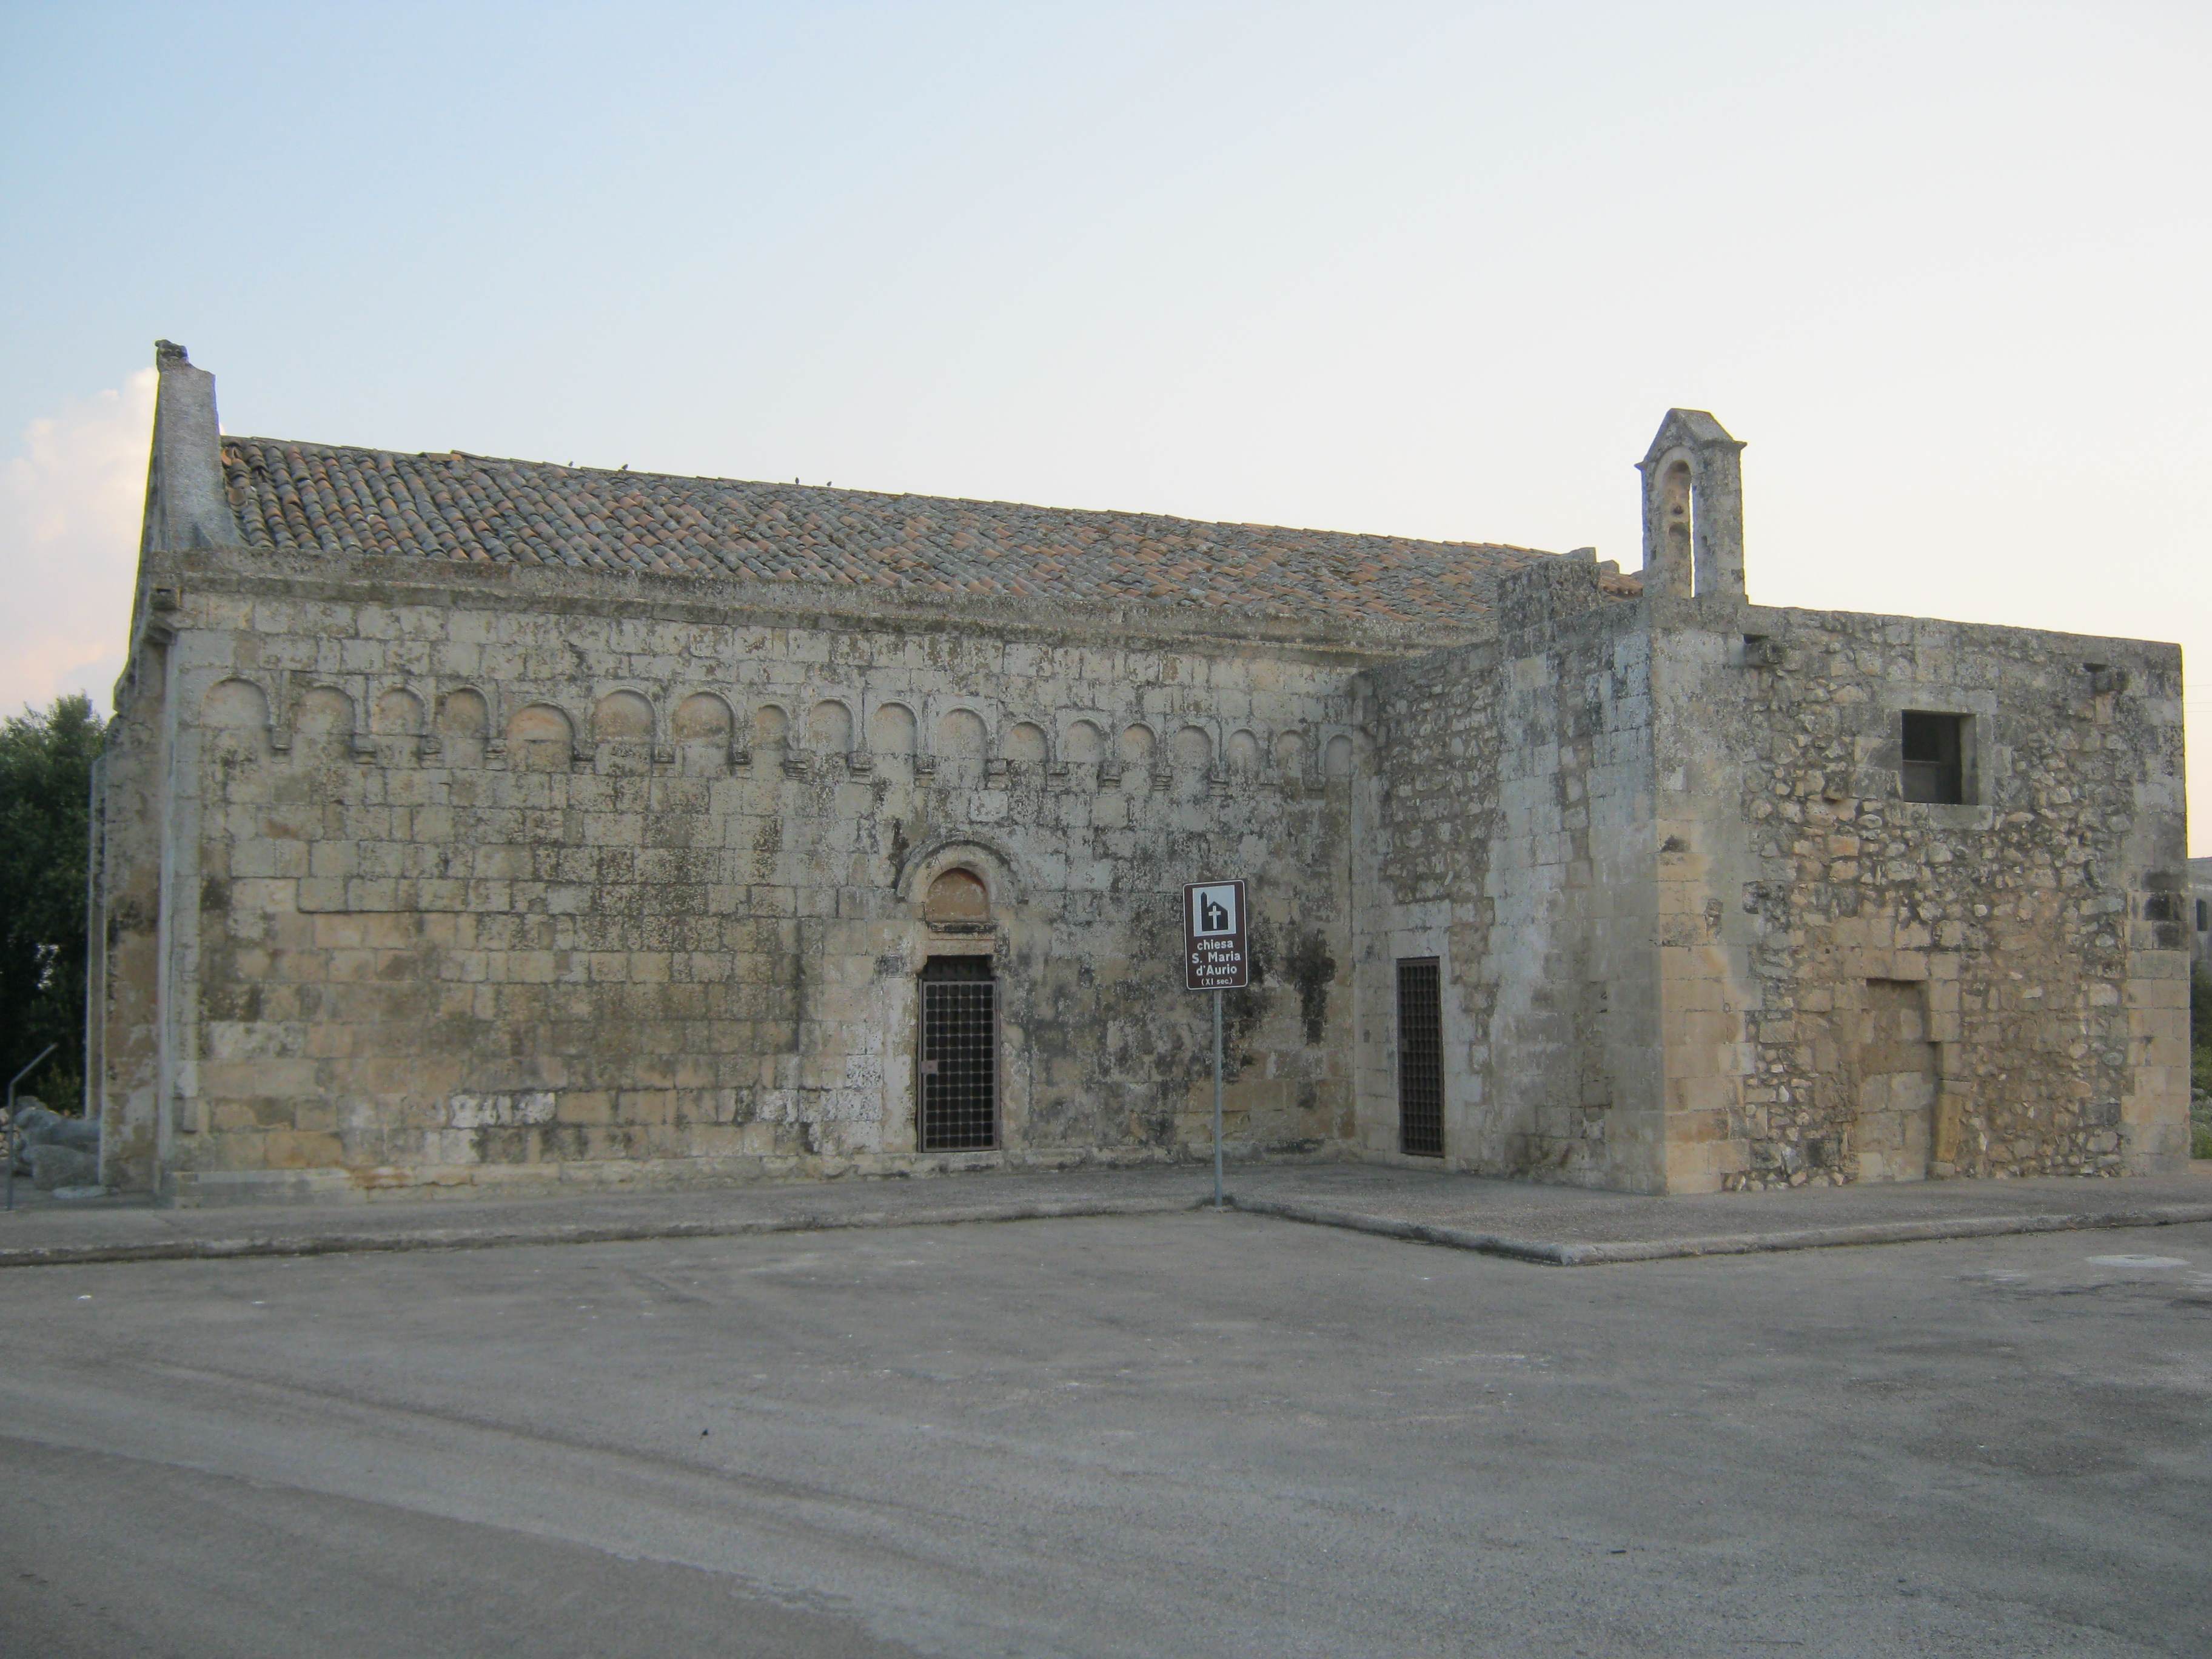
(1180, 1433)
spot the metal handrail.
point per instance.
(9, 1134)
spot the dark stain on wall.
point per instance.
(1312, 969)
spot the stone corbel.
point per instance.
(741, 758)
(664, 754)
(1217, 783)
(362, 746)
(162, 604)
(1163, 780)
(924, 766)
(280, 714)
(428, 745)
(996, 769)
(859, 762)
(797, 763)
(1110, 772)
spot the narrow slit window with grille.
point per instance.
(1420, 1059)
(958, 1097)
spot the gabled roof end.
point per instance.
(1688, 429)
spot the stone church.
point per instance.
(472, 823)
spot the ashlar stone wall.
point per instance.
(1512, 801)
(469, 878)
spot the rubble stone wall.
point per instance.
(1995, 988)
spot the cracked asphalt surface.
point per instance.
(1174, 1434)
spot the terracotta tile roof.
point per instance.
(301, 497)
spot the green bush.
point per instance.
(46, 776)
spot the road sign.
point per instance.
(1215, 959)
(1214, 955)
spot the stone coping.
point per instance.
(1560, 1226)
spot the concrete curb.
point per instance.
(1660, 1249)
(1547, 1252)
(617, 1232)
(1421, 1232)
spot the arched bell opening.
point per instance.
(1693, 509)
(1678, 523)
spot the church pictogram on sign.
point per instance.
(1214, 954)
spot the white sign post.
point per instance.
(1216, 959)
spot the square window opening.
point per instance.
(1936, 750)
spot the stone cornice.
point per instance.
(709, 601)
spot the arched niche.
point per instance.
(1192, 749)
(236, 714)
(464, 713)
(962, 742)
(1243, 754)
(961, 735)
(892, 732)
(701, 727)
(1025, 744)
(771, 727)
(1291, 754)
(1086, 743)
(1138, 746)
(325, 715)
(398, 714)
(830, 727)
(622, 717)
(541, 738)
(1336, 758)
(463, 725)
(702, 717)
(235, 705)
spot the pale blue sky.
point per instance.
(1434, 270)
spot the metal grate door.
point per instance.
(959, 1066)
(1420, 1059)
